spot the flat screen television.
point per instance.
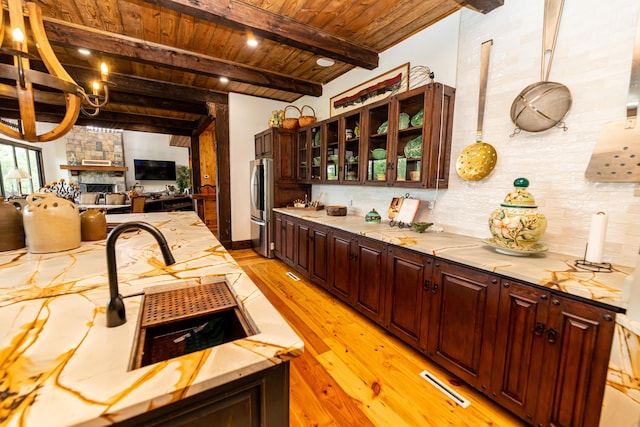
(154, 170)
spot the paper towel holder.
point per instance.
(600, 267)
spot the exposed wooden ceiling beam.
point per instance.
(107, 119)
(116, 45)
(149, 87)
(484, 6)
(242, 16)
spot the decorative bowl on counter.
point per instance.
(336, 210)
(379, 154)
(421, 227)
(517, 224)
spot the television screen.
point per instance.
(157, 170)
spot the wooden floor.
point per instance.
(353, 373)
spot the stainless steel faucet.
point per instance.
(116, 315)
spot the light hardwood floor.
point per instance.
(352, 372)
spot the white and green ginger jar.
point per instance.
(517, 224)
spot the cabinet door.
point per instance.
(350, 156)
(522, 317)
(341, 280)
(264, 144)
(464, 306)
(319, 249)
(289, 240)
(316, 138)
(284, 164)
(302, 246)
(578, 345)
(278, 242)
(377, 142)
(332, 151)
(408, 286)
(302, 155)
(370, 260)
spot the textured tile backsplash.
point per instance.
(594, 62)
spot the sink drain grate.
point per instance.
(190, 301)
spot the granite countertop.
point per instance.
(549, 269)
(58, 355)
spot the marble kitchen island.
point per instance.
(62, 366)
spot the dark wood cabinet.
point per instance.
(522, 318)
(281, 145)
(407, 303)
(278, 235)
(541, 355)
(341, 266)
(264, 144)
(383, 146)
(259, 399)
(319, 249)
(551, 356)
(463, 312)
(370, 260)
(578, 342)
(357, 266)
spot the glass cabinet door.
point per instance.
(315, 139)
(351, 155)
(409, 139)
(302, 148)
(377, 143)
(332, 151)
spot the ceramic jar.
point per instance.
(11, 228)
(51, 224)
(517, 224)
(372, 216)
(93, 225)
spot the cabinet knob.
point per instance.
(552, 336)
(555, 301)
(494, 281)
(544, 297)
(506, 285)
(435, 288)
(426, 285)
(539, 329)
(608, 317)
(437, 264)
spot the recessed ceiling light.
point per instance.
(252, 42)
(224, 80)
(84, 51)
(325, 62)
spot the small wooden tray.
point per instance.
(314, 208)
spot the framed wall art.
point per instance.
(393, 81)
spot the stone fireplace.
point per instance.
(86, 144)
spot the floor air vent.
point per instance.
(445, 389)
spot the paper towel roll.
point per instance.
(595, 246)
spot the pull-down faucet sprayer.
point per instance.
(116, 315)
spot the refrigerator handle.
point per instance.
(253, 191)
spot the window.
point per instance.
(29, 159)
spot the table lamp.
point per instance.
(18, 174)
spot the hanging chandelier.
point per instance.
(31, 86)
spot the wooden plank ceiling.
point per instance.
(166, 57)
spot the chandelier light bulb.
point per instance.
(104, 72)
(18, 36)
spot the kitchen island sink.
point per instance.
(179, 319)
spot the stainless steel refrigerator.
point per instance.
(261, 206)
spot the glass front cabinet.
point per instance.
(402, 141)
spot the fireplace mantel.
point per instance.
(75, 170)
